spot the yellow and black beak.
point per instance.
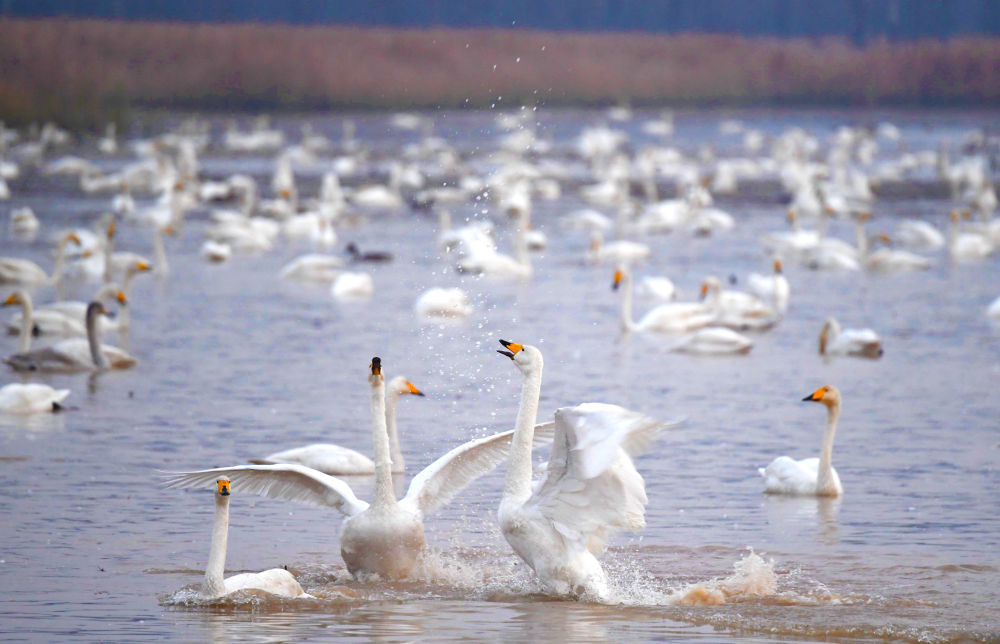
(223, 487)
(815, 396)
(143, 266)
(413, 390)
(617, 281)
(13, 299)
(376, 366)
(120, 296)
(514, 348)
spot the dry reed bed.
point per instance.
(86, 70)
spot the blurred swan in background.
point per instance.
(32, 398)
(14, 270)
(75, 354)
(772, 289)
(811, 476)
(443, 302)
(673, 317)
(851, 342)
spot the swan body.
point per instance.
(350, 285)
(469, 240)
(386, 536)
(337, 460)
(914, 233)
(714, 340)
(14, 270)
(863, 343)
(32, 398)
(811, 476)
(216, 252)
(494, 264)
(276, 581)
(736, 309)
(706, 221)
(673, 317)
(772, 289)
(75, 354)
(61, 318)
(616, 251)
(23, 222)
(966, 247)
(659, 288)
(313, 267)
(591, 486)
(889, 259)
(443, 302)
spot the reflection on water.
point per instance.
(235, 363)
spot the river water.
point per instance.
(236, 363)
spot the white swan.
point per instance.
(714, 340)
(591, 486)
(215, 252)
(915, 233)
(23, 222)
(736, 309)
(673, 317)
(386, 537)
(32, 398)
(810, 476)
(772, 289)
(75, 354)
(60, 318)
(851, 342)
(890, 259)
(494, 264)
(622, 250)
(350, 285)
(443, 302)
(657, 287)
(14, 270)
(337, 460)
(313, 267)
(276, 581)
(966, 247)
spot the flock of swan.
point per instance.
(557, 520)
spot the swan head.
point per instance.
(526, 357)
(710, 285)
(375, 367)
(96, 308)
(222, 487)
(401, 385)
(17, 297)
(827, 394)
(621, 274)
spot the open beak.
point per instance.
(514, 348)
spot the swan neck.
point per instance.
(862, 238)
(628, 324)
(214, 584)
(444, 220)
(109, 250)
(27, 323)
(60, 267)
(521, 244)
(384, 493)
(94, 341)
(824, 481)
(160, 253)
(517, 486)
(395, 453)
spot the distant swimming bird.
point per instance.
(369, 256)
(863, 343)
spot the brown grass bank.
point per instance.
(86, 71)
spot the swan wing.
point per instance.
(440, 481)
(287, 481)
(591, 486)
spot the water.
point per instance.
(235, 363)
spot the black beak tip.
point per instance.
(224, 492)
(807, 398)
(614, 286)
(505, 343)
(506, 353)
(420, 393)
